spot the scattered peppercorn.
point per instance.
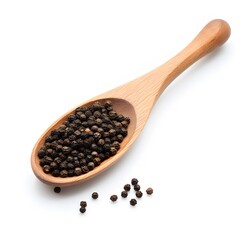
(139, 194)
(149, 191)
(134, 181)
(83, 204)
(137, 187)
(133, 201)
(114, 198)
(124, 194)
(57, 189)
(94, 195)
(89, 136)
(127, 187)
(82, 209)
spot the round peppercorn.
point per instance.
(83, 204)
(137, 187)
(91, 166)
(94, 195)
(149, 191)
(77, 171)
(64, 173)
(114, 198)
(127, 187)
(56, 173)
(57, 189)
(133, 201)
(124, 194)
(139, 194)
(82, 209)
(134, 181)
(46, 168)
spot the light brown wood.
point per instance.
(137, 98)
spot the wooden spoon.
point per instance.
(137, 98)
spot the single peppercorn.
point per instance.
(46, 168)
(77, 171)
(137, 187)
(139, 194)
(114, 198)
(133, 201)
(124, 194)
(64, 173)
(83, 204)
(91, 166)
(94, 195)
(134, 181)
(56, 173)
(149, 191)
(127, 187)
(82, 209)
(57, 189)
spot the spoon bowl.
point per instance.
(136, 99)
(122, 107)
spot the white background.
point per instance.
(56, 54)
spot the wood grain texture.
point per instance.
(137, 98)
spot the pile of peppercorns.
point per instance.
(89, 136)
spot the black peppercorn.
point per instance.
(139, 194)
(42, 162)
(91, 166)
(82, 117)
(76, 163)
(49, 150)
(83, 162)
(48, 160)
(70, 166)
(137, 187)
(46, 168)
(57, 189)
(82, 209)
(62, 166)
(107, 104)
(77, 171)
(81, 155)
(97, 161)
(56, 173)
(134, 181)
(41, 153)
(71, 173)
(116, 145)
(124, 194)
(63, 173)
(66, 150)
(53, 165)
(84, 169)
(57, 160)
(69, 159)
(149, 191)
(127, 187)
(83, 204)
(94, 195)
(114, 198)
(101, 142)
(97, 114)
(120, 138)
(133, 201)
(113, 151)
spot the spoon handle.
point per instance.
(213, 35)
